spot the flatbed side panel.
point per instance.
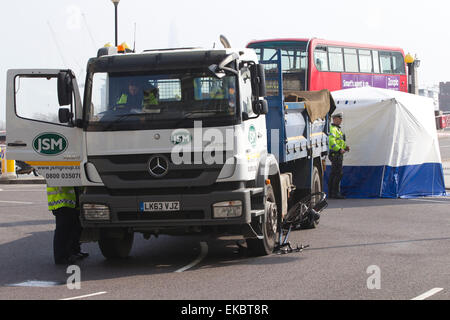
(296, 140)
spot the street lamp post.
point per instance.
(116, 3)
(409, 59)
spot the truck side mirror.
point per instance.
(219, 70)
(258, 80)
(65, 88)
(64, 115)
(216, 72)
(260, 107)
(264, 107)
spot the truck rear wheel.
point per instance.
(316, 188)
(269, 227)
(116, 248)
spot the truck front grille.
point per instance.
(132, 172)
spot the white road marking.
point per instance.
(85, 296)
(428, 294)
(203, 253)
(19, 202)
(433, 201)
(37, 284)
(23, 190)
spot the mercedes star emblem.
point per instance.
(158, 166)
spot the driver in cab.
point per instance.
(136, 98)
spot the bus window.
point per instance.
(321, 58)
(293, 60)
(376, 62)
(351, 60)
(398, 63)
(336, 59)
(293, 63)
(258, 53)
(386, 65)
(269, 54)
(365, 61)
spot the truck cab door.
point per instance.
(35, 134)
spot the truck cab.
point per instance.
(165, 142)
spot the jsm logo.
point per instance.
(50, 144)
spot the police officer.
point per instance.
(338, 147)
(63, 202)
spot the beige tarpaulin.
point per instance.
(317, 103)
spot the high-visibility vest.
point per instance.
(61, 197)
(336, 141)
(123, 99)
(149, 99)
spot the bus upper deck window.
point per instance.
(398, 63)
(351, 60)
(321, 58)
(386, 62)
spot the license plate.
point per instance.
(164, 206)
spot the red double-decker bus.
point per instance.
(316, 64)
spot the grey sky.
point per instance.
(65, 33)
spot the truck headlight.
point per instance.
(96, 212)
(227, 209)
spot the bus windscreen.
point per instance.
(294, 62)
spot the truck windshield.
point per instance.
(160, 101)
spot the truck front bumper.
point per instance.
(196, 210)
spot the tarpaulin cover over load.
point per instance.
(394, 145)
(317, 103)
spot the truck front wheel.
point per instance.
(116, 248)
(269, 227)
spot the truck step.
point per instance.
(256, 191)
(257, 213)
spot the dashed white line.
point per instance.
(203, 253)
(16, 202)
(428, 294)
(85, 296)
(36, 284)
(432, 201)
(23, 190)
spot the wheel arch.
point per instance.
(269, 170)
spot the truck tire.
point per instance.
(269, 228)
(316, 187)
(116, 248)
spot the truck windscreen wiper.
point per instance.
(120, 119)
(188, 115)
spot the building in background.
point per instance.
(444, 96)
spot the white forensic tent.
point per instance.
(394, 144)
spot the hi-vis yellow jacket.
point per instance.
(336, 140)
(61, 197)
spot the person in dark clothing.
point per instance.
(62, 201)
(337, 148)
